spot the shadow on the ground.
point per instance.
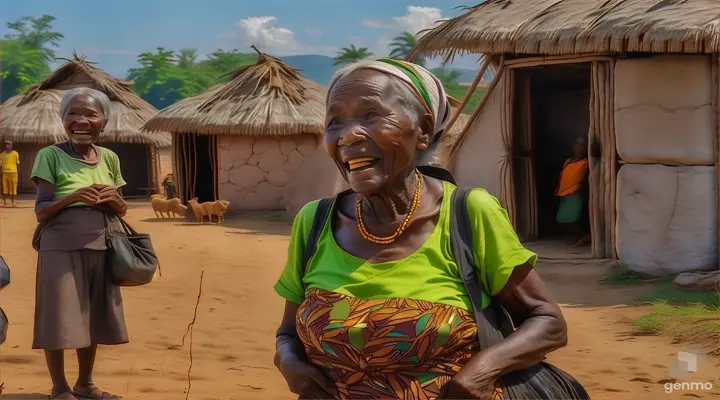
(26, 396)
(580, 283)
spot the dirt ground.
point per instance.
(233, 338)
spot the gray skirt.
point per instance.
(76, 305)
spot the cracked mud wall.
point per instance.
(663, 110)
(666, 218)
(254, 171)
(666, 191)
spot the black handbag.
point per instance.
(542, 381)
(130, 258)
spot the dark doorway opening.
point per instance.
(197, 155)
(134, 166)
(553, 108)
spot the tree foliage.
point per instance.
(165, 77)
(402, 45)
(25, 54)
(348, 55)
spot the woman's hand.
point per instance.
(109, 195)
(305, 379)
(461, 387)
(88, 195)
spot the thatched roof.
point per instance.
(33, 117)
(554, 27)
(267, 98)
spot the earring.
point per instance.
(363, 150)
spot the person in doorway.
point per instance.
(572, 178)
(78, 200)
(169, 187)
(9, 162)
(362, 318)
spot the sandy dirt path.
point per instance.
(233, 338)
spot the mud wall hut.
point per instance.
(243, 140)
(31, 121)
(639, 79)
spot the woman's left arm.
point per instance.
(540, 329)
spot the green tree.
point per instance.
(351, 54)
(447, 77)
(221, 62)
(36, 33)
(187, 58)
(402, 45)
(21, 67)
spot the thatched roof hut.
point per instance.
(639, 78)
(31, 121)
(242, 140)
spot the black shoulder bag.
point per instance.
(540, 382)
(130, 258)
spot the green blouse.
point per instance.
(429, 274)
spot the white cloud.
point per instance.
(419, 18)
(263, 32)
(266, 33)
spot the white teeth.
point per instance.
(81, 132)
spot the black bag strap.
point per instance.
(322, 213)
(493, 322)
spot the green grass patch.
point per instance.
(667, 292)
(690, 323)
(623, 276)
(458, 91)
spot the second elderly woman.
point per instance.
(380, 310)
(77, 307)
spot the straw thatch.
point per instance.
(555, 27)
(264, 99)
(33, 117)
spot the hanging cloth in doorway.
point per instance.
(572, 177)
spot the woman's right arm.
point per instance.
(302, 377)
(45, 205)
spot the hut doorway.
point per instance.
(197, 167)
(551, 109)
(135, 168)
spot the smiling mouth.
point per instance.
(77, 132)
(357, 164)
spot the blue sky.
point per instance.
(113, 33)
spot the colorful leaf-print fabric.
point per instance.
(386, 349)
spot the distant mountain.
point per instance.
(314, 67)
(320, 68)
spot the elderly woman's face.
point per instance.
(368, 134)
(84, 119)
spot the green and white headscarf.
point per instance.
(426, 86)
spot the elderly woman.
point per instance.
(76, 305)
(358, 318)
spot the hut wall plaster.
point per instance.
(316, 178)
(663, 110)
(254, 171)
(477, 163)
(666, 218)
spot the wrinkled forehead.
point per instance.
(84, 100)
(360, 83)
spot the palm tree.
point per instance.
(350, 54)
(402, 45)
(187, 58)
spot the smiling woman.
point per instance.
(376, 306)
(76, 305)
